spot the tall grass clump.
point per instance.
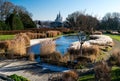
(17, 47)
(115, 58)
(48, 51)
(47, 47)
(53, 33)
(91, 53)
(31, 56)
(24, 36)
(102, 71)
(55, 56)
(30, 35)
(70, 76)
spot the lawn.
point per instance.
(116, 37)
(115, 75)
(6, 37)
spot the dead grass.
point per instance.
(70, 76)
(24, 36)
(17, 47)
(115, 57)
(30, 35)
(92, 50)
(65, 58)
(91, 53)
(102, 71)
(55, 56)
(47, 47)
(41, 35)
(32, 57)
(53, 33)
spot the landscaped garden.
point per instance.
(80, 48)
(94, 51)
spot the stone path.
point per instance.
(27, 69)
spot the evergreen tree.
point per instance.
(27, 21)
(3, 26)
(14, 22)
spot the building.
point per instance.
(57, 22)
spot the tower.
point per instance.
(58, 18)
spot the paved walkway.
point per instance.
(27, 69)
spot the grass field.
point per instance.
(115, 75)
(6, 37)
(116, 37)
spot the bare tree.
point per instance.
(22, 10)
(5, 9)
(81, 21)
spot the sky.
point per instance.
(48, 9)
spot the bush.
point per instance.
(18, 78)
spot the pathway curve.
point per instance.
(116, 46)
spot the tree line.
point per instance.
(83, 21)
(14, 17)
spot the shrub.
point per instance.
(18, 78)
(102, 71)
(70, 76)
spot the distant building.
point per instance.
(57, 22)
